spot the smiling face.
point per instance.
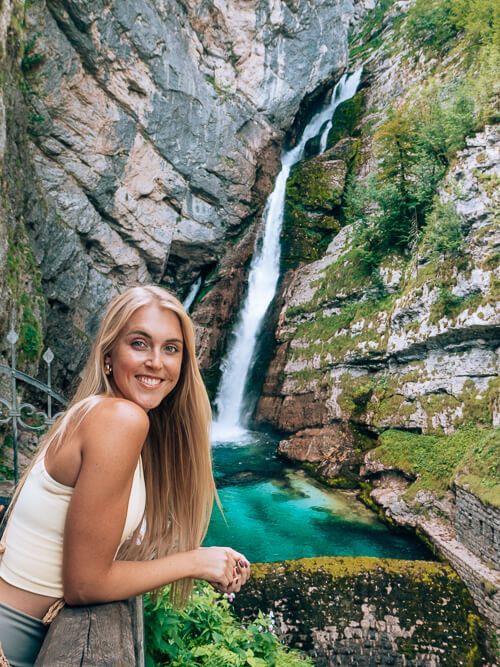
(146, 357)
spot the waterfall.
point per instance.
(193, 291)
(263, 276)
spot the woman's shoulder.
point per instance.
(110, 417)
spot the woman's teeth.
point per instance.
(151, 382)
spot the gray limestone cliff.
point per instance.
(155, 129)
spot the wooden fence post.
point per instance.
(106, 635)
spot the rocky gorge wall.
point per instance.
(154, 130)
(366, 611)
(20, 282)
(409, 359)
(372, 337)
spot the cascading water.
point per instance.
(263, 276)
(193, 291)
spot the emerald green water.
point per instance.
(276, 512)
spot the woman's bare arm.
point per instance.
(112, 440)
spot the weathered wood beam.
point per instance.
(108, 635)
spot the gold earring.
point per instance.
(108, 369)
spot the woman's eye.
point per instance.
(171, 348)
(138, 343)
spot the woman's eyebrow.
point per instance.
(145, 334)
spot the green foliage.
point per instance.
(30, 343)
(31, 59)
(479, 20)
(443, 234)
(431, 23)
(207, 633)
(368, 37)
(449, 303)
(21, 265)
(435, 24)
(471, 454)
(415, 146)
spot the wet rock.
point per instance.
(331, 447)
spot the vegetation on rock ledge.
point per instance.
(471, 455)
(207, 633)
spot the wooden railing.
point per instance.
(106, 635)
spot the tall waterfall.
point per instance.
(193, 291)
(264, 274)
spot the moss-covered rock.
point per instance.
(355, 611)
(314, 191)
(347, 117)
(471, 455)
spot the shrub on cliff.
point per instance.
(435, 461)
(436, 23)
(414, 146)
(207, 633)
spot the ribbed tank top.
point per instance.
(34, 534)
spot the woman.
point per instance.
(133, 443)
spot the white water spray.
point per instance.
(263, 277)
(193, 291)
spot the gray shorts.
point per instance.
(21, 636)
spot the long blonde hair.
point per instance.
(180, 488)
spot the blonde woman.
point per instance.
(118, 499)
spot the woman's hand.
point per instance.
(226, 569)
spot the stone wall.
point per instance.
(478, 526)
(368, 611)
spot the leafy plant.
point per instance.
(444, 234)
(431, 23)
(207, 633)
(414, 146)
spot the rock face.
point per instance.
(22, 303)
(366, 611)
(157, 128)
(462, 530)
(329, 447)
(408, 364)
(423, 356)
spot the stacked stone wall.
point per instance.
(478, 526)
(368, 611)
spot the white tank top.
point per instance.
(34, 534)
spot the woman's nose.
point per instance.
(154, 358)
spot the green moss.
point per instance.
(315, 184)
(470, 455)
(345, 276)
(340, 482)
(356, 393)
(313, 193)
(331, 335)
(306, 376)
(427, 599)
(450, 306)
(347, 117)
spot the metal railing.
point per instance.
(22, 415)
